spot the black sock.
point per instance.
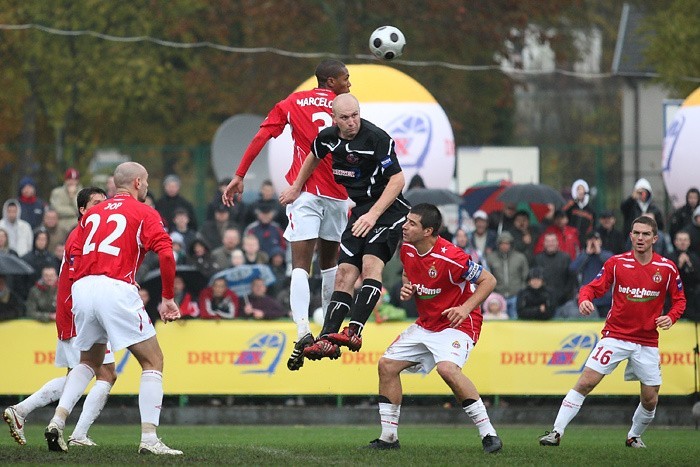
(383, 400)
(338, 309)
(467, 402)
(366, 300)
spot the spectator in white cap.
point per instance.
(482, 238)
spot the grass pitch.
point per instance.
(342, 445)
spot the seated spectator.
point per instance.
(579, 212)
(199, 257)
(555, 266)
(259, 305)
(172, 201)
(461, 240)
(212, 230)
(237, 257)
(181, 221)
(179, 249)
(11, 305)
(267, 197)
(19, 232)
(50, 225)
(278, 265)
(39, 258)
(524, 235)
(494, 307)
(189, 308)
(683, 216)
(612, 238)
(32, 206)
(41, 302)
(218, 301)
(237, 212)
(510, 269)
(231, 240)
(64, 199)
(688, 263)
(482, 237)
(252, 252)
(585, 268)
(269, 233)
(567, 236)
(5, 243)
(535, 301)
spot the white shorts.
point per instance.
(427, 348)
(68, 356)
(643, 362)
(311, 216)
(108, 309)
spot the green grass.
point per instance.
(340, 445)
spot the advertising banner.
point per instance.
(246, 357)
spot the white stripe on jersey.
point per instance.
(666, 265)
(447, 259)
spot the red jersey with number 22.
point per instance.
(115, 235)
(443, 279)
(639, 291)
(307, 113)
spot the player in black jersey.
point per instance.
(365, 163)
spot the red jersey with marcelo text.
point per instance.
(64, 302)
(439, 277)
(307, 113)
(114, 236)
(639, 291)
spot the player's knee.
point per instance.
(387, 368)
(447, 370)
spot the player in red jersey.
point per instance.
(319, 216)
(641, 280)
(111, 242)
(441, 277)
(68, 356)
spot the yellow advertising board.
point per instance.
(245, 357)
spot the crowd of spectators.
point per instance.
(539, 263)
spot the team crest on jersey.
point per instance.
(432, 271)
(456, 345)
(657, 277)
(352, 158)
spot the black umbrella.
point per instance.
(194, 281)
(532, 193)
(12, 265)
(436, 196)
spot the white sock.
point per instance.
(640, 421)
(48, 393)
(76, 383)
(327, 286)
(389, 416)
(93, 405)
(569, 408)
(151, 396)
(477, 412)
(299, 298)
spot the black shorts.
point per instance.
(381, 242)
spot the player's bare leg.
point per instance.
(464, 390)
(150, 357)
(76, 383)
(390, 397)
(643, 416)
(571, 404)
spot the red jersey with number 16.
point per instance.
(443, 279)
(307, 113)
(114, 236)
(64, 302)
(639, 291)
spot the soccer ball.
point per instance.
(387, 42)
